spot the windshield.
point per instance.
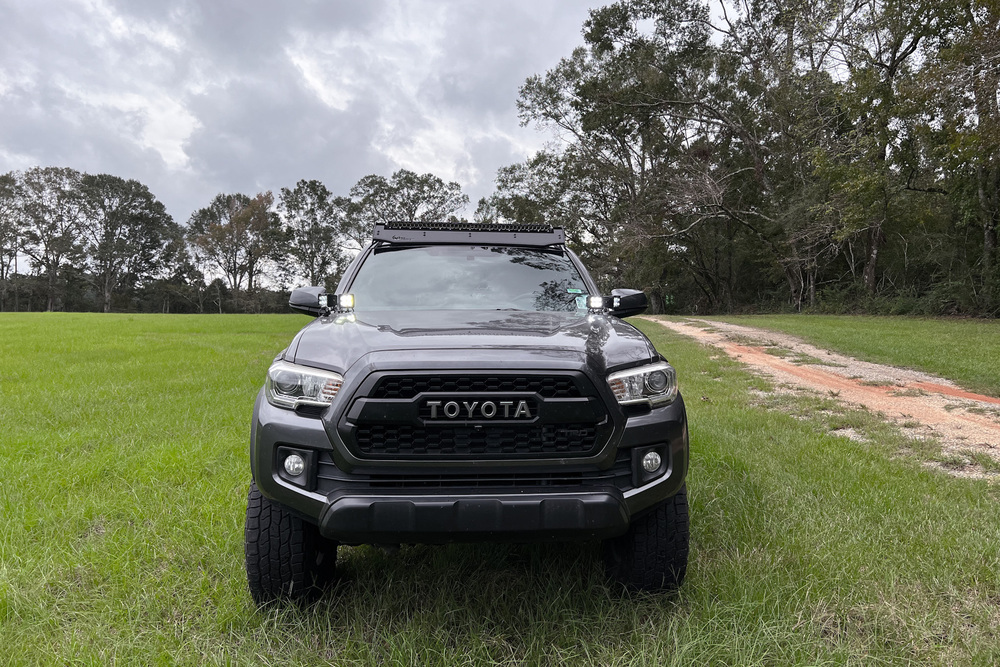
(468, 278)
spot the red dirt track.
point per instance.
(960, 420)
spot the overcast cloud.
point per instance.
(197, 98)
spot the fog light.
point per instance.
(650, 462)
(295, 465)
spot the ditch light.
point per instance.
(339, 302)
(597, 303)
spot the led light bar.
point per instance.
(469, 232)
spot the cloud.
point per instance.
(195, 98)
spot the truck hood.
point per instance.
(601, 342)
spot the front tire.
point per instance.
(286, 557)
(653, 554)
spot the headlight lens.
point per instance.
(655, 384)
(290, 386)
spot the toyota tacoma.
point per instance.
(466, 382)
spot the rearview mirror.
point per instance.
(630, 302)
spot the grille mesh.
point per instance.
(410, 386)
(464, 441)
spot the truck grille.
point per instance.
(466, 441)
(389, 417)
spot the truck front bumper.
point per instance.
(354, 519)
(356, 508)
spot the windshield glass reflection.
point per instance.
(469, 278)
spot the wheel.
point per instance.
(286, 557)
(653, 554)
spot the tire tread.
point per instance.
(285, 556)
(653, 554)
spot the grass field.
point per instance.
(964, 351)
(123, 479)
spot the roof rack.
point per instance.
(469, 232)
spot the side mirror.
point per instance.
(305, 300)
(630, 302)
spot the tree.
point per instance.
(406, 196)
(638, 126)
(773, 104)
(11, 231)
(313, 223)
(126, 232)
(962, 123)
(262, 236)
(536, 191)
(236, 235)
(877, 48)
(52, 210)
(214, 232)
(178, 285)
(748, 141)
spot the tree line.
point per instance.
(781, 154)
(833, 155)
(76, 241)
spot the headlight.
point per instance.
(655, 384)
(290, 386)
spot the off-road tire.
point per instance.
(286, 557)
(653, 554)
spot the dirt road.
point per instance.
(962, 422)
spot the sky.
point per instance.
(197, 98)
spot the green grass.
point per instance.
(964, 351)
(123, 476)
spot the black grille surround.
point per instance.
(388, 417)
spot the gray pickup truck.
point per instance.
(466, 382)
